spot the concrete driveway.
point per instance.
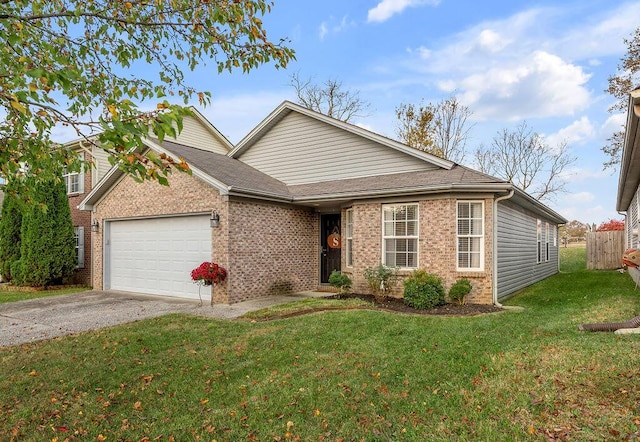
(44, 318)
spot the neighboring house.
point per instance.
(304, 194)
(197, 130)
(629, 181)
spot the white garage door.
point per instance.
(157, 255)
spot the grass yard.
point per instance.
(21, 295)
(343, 375)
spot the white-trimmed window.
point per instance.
(78, 234)
(400, 235)
(539, 240)
(349, 237)
(547, 231)
(75, 180)
(470, 229)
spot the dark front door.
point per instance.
(331, 245)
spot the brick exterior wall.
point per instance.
(266, 248)
(437, 246)
(273, 250)
(129, 199)
(82, 218)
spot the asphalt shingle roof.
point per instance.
(242, 177)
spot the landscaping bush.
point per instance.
(340, 281)
(381, 280)
(10, 226)
(423, 290)
(460, 289)
(48, 249)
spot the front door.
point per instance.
(331, 245)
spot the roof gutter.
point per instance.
(494, 236)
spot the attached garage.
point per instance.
(156, 255)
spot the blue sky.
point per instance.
(546, 62)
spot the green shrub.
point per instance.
(460, 289)
(381, 280)
(423, 290)
(47, 250)
(10, 227)
(340, 281)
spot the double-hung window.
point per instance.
(400, 235)
(75, 180)
(78, 234)
(470, 224)
(349, 237)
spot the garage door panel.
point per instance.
(157, 255)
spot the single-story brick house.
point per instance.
(629, 180)
(304, 194)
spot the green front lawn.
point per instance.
(19, 295)
(342, 375)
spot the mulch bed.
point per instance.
(398, 305)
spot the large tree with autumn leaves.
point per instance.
(78, 63)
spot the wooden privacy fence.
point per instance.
(605, 249)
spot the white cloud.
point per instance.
(614, 123)
(577, 132)
(580, 197)
(388, 8)
(540, 85)
(334, 27)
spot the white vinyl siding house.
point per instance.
(400, 233)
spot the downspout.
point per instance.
(494, 272)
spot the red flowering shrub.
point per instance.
(208, 273)
(612, 224)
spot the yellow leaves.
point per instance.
(162, 105)
(33, 373)
(101, 438)
(128, 5)
(111, 108)
(137, 406)
(18, 106)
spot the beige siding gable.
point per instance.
(101, 164)
(300, 150)
(195, 133)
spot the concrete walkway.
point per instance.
(44, 318)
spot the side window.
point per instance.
(470, 232)
(349, 237)
(75, 180)
(78, 233)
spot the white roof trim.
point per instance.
(285, 107)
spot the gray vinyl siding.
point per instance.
(518, 249)
(631, 222)
(195, 134)
(302, 150)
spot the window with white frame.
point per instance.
(75, 180)
(349, 237)
(400, 235)
(539, 240)
(547, 230)
(78, 234)
(470, 232)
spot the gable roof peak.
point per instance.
(286, 107)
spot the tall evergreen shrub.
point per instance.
(10, 226)
(48, 249)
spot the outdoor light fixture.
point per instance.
(215, 219)
(95, 226)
